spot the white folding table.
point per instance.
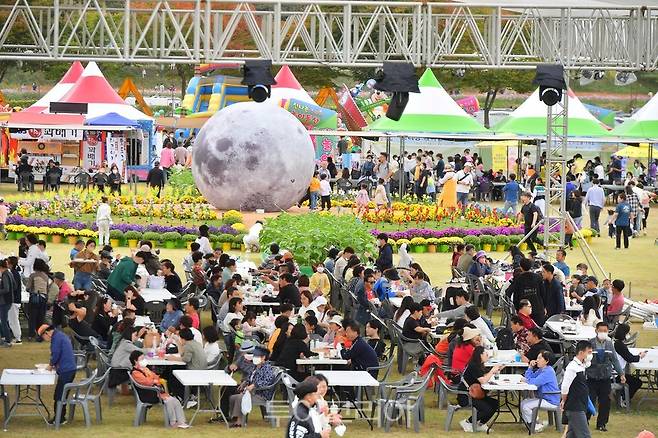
(32, 381)
(583, 332)
(206, 379)
(503, 384)
(351, 379)
(158, 362)
(151, 295)
(315, 361)
(647, 370)
(506, 358)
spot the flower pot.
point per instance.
(523, 246)
(588, 239)
(500, 247)
(19, 235)
(171, 244)
(132, 243)
(444, 247)
(72, 239)
(11, 235)
(226, 246)
(57, 238)
(43, 237)
(243, 248)
(432, 248)
(115, 243)
(420, 249)
(487, 247)
(182, 244)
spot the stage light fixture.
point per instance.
(400, 79)
(550, 78)
(258, 78)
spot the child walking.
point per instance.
(610, 222)
(381, 200)
(325, 192)
(362, 200)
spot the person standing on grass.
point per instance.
(595, 201)
(325, 192)
(464, 184)
(622, 220)
(103, 222)
(511, 194)
(575, 393)
(531, 215)
(156, 178)
(62, 361)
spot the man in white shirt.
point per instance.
(575, 391)
(103, 221)
(595, 200)
(464, 183)
(599, 171)
(33, 253)
(341, 263)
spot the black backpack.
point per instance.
(505, 339)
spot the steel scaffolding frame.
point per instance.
(331, 32)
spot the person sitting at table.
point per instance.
(284, 334)
(473, 316)
(625, 357)
(104, 265)
(198, 274)
(192, 310)
(462, 301)
(414, 268)
(466, 259)
(185, 322)
(172, 315)
(373, 333)
(475, 372)
(335, 326)
(106, 317)
(403, 311)
(525, 313)
(280, 323)
(120, 360)
(235, 311)
(295, 348)
(480, 266)
(288, 292)
(77, 323)
(172, 281)
(616, 305)
(191, 352)
(262, 376)
(590, 316)
(62, 361)
(315, 332)
(319, 281)
(134, 301)
(230, 292)
(211, 345)
(307, 301)
(413, 330)
(576, 288)
(421, 289)
(466, 344)
(384, 285)
(520, 334)
(124, 274)
(145, 377)
(215, 289)
(536, 343)
(360, 354)
(541, 374)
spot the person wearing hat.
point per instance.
(62, 361)
(448, 195)
(335, 326)
(124, 274)
(464, 183)
(480, 266)
(301, 421)
(262, 376)
(466, 343)
(383, 286)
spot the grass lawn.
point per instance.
(635, 266)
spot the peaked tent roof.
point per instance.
(288, 87)
(60, 89)
(111, 119)
(431, 110)
(644, 123)
(92, 88)
(530, 119)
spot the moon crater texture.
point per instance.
(250, 156)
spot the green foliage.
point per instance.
(232, 217)
(514, 239)
(116, 234)
(171, 236)
(152, 236)
(487, 239)
(309, 236)
(133, 235)
(181, 181)
(502, 240)
(189, 237)
(472, 240)
(238, 238)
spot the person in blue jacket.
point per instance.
(542, 375)
(62, 361)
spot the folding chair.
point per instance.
(142, 407)
(75, 394)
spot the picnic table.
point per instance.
(30, 395)
(206, 379)
(570, 332)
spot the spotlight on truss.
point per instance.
(400, 79)
(550, 78)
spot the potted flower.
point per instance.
(132, 237)
(454, 241)
(171, 239)
(232, 217)
(487, 242)
(226, 240)
(43, 233)
(432, 243)
(419, 244)
(514, 239)
(10, 232)
(444, 244)
(187, 240)
(587, 235)
(57, 235)
(502, 243)
(236, 241)
(152, 237)
(116, 236)
(71, 235)
(472, 240)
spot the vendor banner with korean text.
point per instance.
(45, 134)
(315, 117)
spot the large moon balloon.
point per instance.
(251, 155)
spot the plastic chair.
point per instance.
(26, 182)
(155, 310)
(410, 399)
(290, 384)
(142, 407)
(75, 394)
(81, 180)
(451, 409)
(554, 414)
(266, 406)
(102, 384)
(81, 362)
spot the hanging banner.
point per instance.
(499, 157)
(315, 117)
(469, 104)
(91, 150)
(46, 134)
(116, 152)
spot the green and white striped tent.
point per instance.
(430, 111)
(642, 124)
(529, 119)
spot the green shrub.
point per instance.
(515, 239)
(133, 235)
(472, 240)
(309, 236)
(171, 236)
(116, 234)
(152, 236)
(189, 237)
(502, 240)
(232, 217)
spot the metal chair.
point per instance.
(142, 407)
(554, 414)
(451, 409)
(75, 394)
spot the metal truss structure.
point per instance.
(332, 32)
